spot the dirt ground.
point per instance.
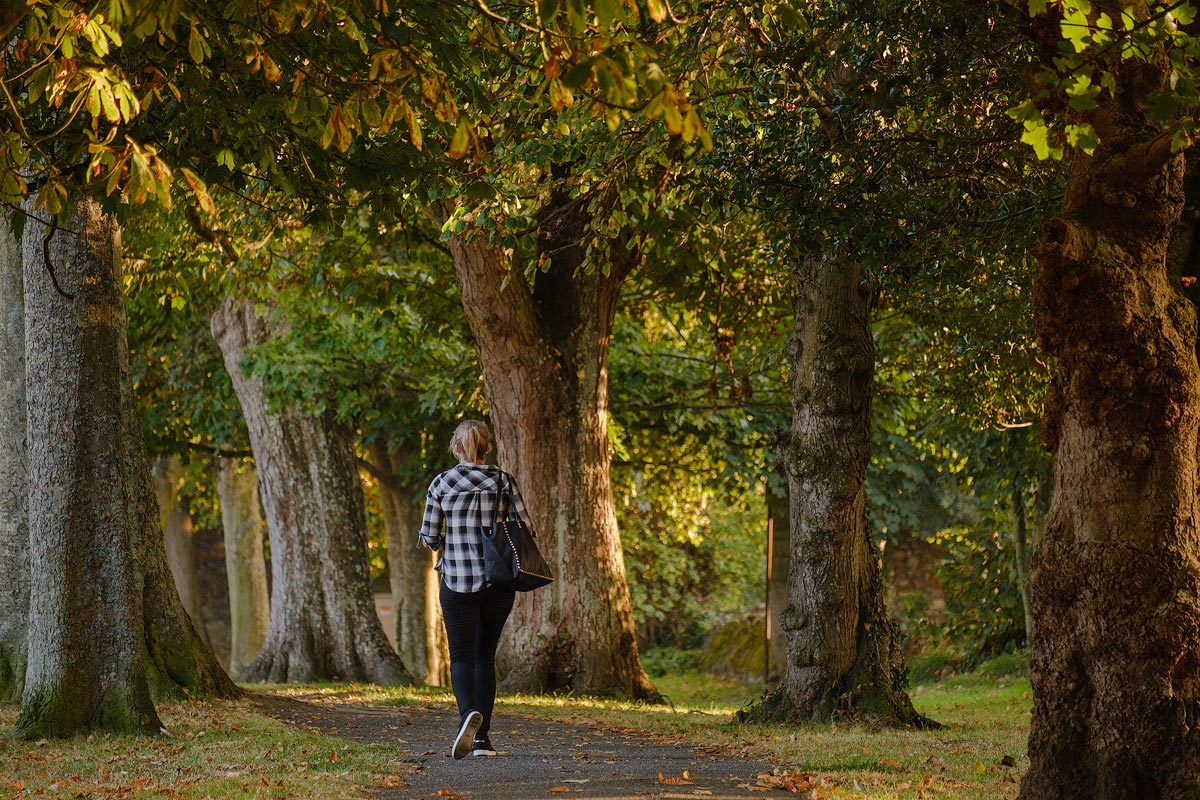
(537, 758)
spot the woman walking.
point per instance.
(460, 503)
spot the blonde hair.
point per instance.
(472, 441)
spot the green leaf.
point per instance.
(1039, 139)
(1082, 94)
(792, 18)
(197, 47)
(1076, 28)
(607, 12)
(1082, 136)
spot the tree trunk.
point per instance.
(179, 662)
(544, 353)
(14, 471)
(843, 659)
(99, 648)
(1116, 577)
(245, 564)
(420, 634)
(86, 659)
(176, 524)
(323, 620)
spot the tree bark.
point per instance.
(245, 563)
(1021, 540)
(14, 471)
(420, 635)
(1116, 577)
(778, 567)
(323, 620)
(544, 352)
(843, 659)
(176, 524)
(107, 631)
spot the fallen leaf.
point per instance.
(672, 781)
(559, 789)
(801, 783)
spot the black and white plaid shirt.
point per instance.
(463, 500)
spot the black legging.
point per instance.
(474, 622)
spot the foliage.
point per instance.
(662, 661)
(116, 99)
(947, 468)
(694, 396)
(982, 592)
(184, 393)
(1093, 51)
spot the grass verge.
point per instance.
(228, 750)
(221, 749)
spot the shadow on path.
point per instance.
(537, 758)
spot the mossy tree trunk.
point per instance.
(107, 632)
(843, 659)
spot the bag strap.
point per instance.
(501, 491)
(504, 494)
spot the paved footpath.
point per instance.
(537, 758)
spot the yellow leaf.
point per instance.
(414, 127)
(560, 96)
(462, 138)
(271, 70)
(200, 190)
(342, 128)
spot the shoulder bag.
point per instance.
(511, 559)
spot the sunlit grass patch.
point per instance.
(978, 754)
(216, 749)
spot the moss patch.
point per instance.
(736, 649)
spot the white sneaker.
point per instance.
(465, 741)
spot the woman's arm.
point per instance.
(431, 524)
